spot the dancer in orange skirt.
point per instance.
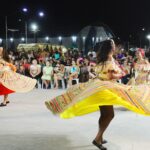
(10, 81)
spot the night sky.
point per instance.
(68, 17)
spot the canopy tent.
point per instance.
(90, 35)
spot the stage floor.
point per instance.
(26, 124)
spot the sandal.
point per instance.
(7, 102)
(104, 142)
(100, 146)
(2, 105)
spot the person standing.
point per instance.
(101, 94)
(10, 81)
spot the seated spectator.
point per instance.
(21, 70)
(47, 74)
(84, 72)
(26, 66)
(74, 71)
(35, 70)
(57, 55)
(59, 71)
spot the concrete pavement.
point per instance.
(26, 124)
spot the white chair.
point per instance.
(63, 83)
(51, 84)
(77, 80)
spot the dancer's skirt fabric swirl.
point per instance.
(85, 98)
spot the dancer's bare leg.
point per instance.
(107, 114)
(5, 99)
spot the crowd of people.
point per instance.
(54, 69)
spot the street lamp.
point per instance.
(47, 38)
(23, 39)
(41, 14)
(25, 9)
(97, 39)
(83, 38)
(60, 39)
(148, 37)
(74, 39)
(11, 40)
(1, 40)
(93, 41)
(34, 28)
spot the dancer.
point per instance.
(103, 93)
(141, 69)
(10, 81)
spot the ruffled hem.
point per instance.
(17, 82)
(87, 97)
(4, 90)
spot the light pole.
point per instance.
(6, 30)
(6, 26)
(93, 41)
(25, 10)
(141, 34)
(83, 38)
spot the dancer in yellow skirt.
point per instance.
(103, 92)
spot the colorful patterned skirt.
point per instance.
(142, 78)
(86, 98)
(13, 82)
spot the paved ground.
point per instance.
(26, 124)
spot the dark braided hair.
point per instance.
(104, 50)
(5, 55)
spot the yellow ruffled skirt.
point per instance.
(86, 98)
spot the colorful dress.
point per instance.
(86, 98)
(141, 73)
(10, 81)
